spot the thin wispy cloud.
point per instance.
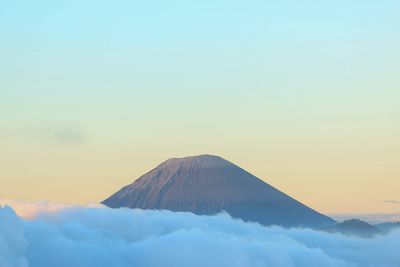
(392, 201)
(63, 133)
(67, 136)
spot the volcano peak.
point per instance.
(209, 184)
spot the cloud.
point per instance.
(13, 243)
(104, 237)
(66, 135)
(392, 201)
(59, 133)
(30, 210)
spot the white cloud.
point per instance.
(30, 210)
(86, 237)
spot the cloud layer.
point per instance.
(103, 237)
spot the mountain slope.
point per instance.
(388, 227)
(354, 227)
(208, 184)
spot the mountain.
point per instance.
(354, 227)
(209, 184)
(388, 227)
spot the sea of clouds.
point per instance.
(51, 235)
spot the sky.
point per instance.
(302, 94)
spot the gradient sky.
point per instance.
(303, 94)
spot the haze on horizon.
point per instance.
(302, 95)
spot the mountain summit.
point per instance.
(208, 184)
